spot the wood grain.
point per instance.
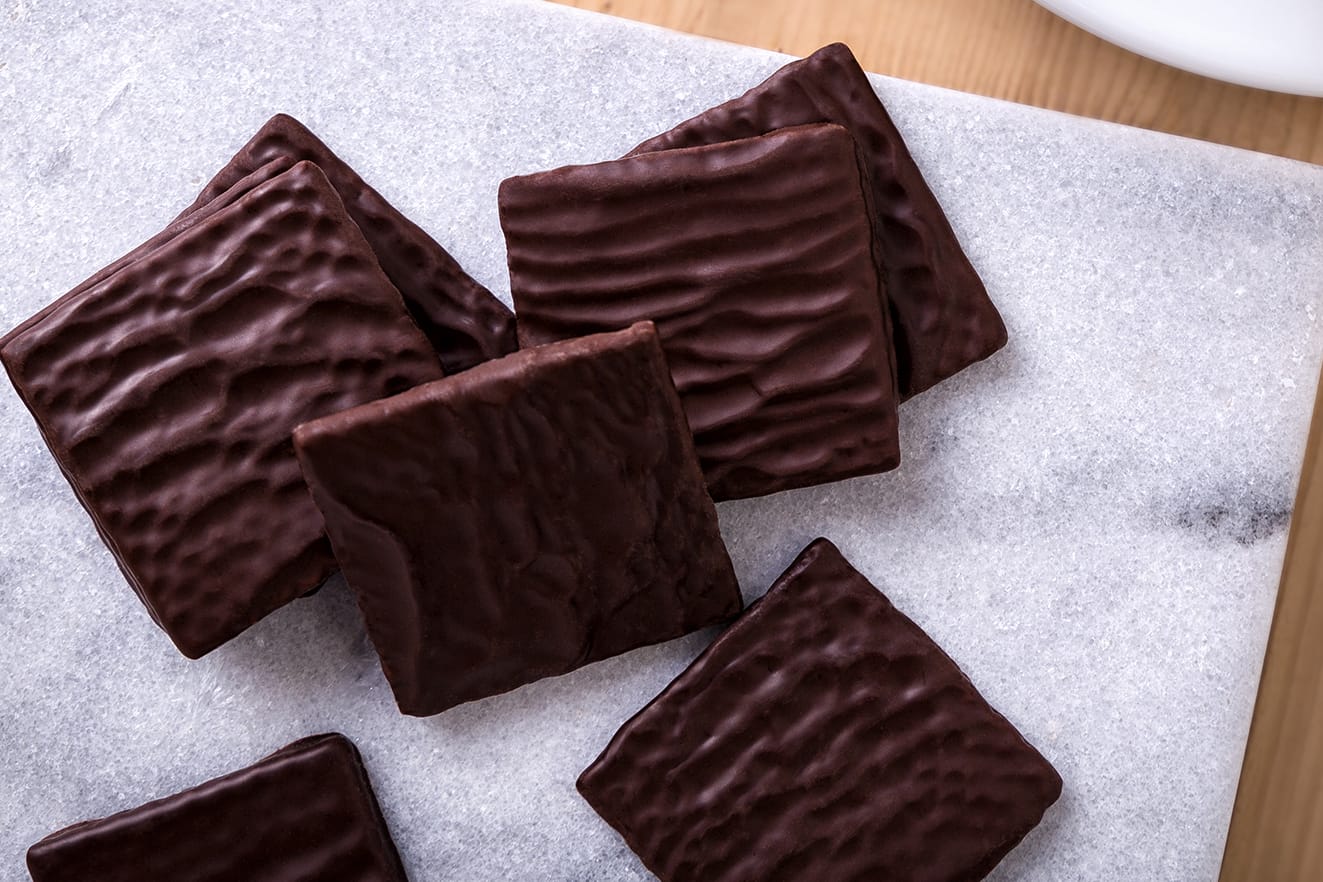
(1015, 50)
(1010, 49)
(1277, 829)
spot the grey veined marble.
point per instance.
(1092, 523)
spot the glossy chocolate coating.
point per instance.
(167, 391)
(754, 258)
(521, 519)
(306, 813)
(177, 226)
(822, 736)
(464, 321)
(943, 320)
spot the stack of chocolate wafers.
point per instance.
(293, 378)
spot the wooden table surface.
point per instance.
(1015, 50)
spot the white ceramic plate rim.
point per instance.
(1267, 44)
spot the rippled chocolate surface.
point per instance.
(822, 736)
(463, 320)
(754, 258)
(168, 387)
(306, 813)
(943, 318)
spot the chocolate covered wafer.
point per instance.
(168, 386)
(943, 318)
(521, 519)
(754, 259)
(306, 813)
(824, 735)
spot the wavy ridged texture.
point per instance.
(465, 323)
(168, 390)
(754, 258)
(524, 518)
(306, 813)
(823, 736)
(942, 317)
(183, 222)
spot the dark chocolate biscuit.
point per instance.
(521, 519)
(942, 317)
(822, 736)
(306, 813)
(464, 321)
(167, 390)
(754, 258)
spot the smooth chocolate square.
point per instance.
(306, 813)
(754, 258)
(822, 736)
(465, 323)
(521, 519)
(943, 319)
(167, 390)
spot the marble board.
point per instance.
(1092, 523)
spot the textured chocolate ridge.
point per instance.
(943, 318)
(306, 813)
(516, 521)
(177, 226)
(167, 391)
(822, 736)
(464, 321)
(754, 258)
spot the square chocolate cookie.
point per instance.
(306, 813)
(822, 736)
(754, 259)
(465, 323)
(521, 519)
(167, 389)
(943, 319)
